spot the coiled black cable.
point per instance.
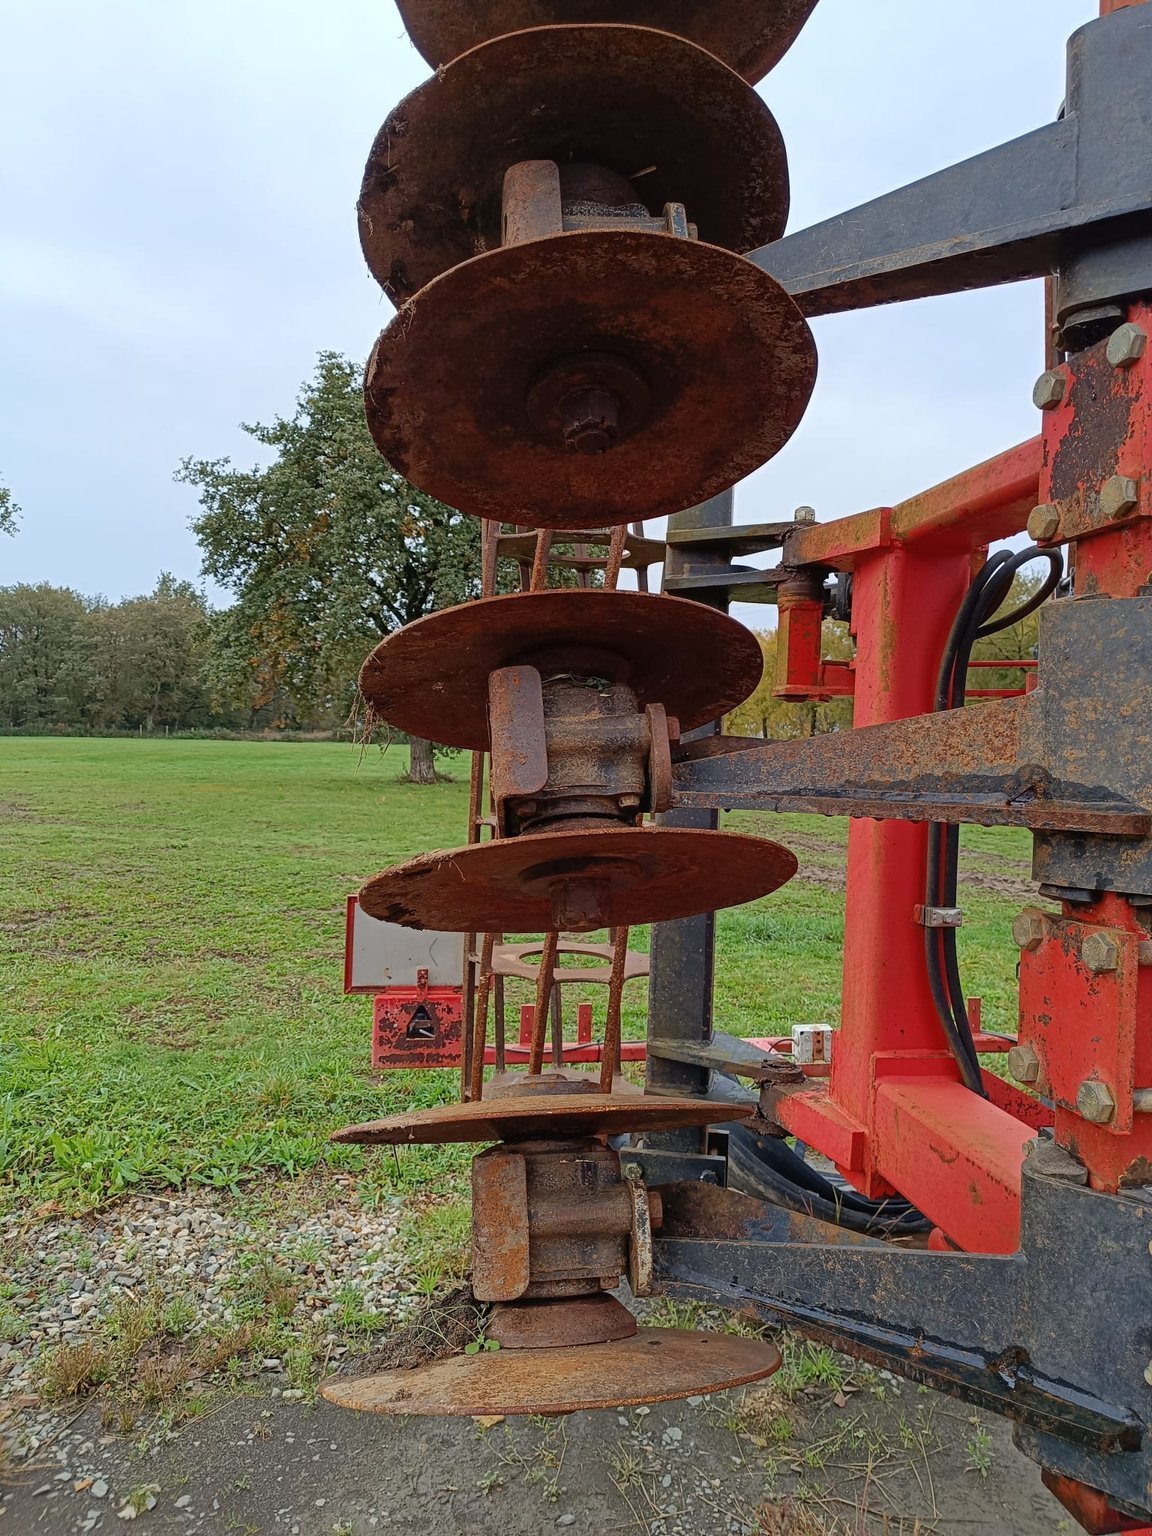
(974, 621)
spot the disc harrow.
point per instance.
(580, 345)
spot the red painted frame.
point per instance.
(894, 1114)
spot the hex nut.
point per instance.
(1094, 1101)
(1024, 1064)
(1029, 929)
(1044, 523)
(1049, 390)
(1126, 346)
(1119, 495)
(804, 515)
(1100, 952)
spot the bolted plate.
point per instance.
(431, 677)
(629, 99)
(536, 1116)
(648, 874)
(656, 1365)
(750, 37)
(727, 357)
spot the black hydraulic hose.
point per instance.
(974, 621)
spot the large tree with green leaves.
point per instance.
(325, 549)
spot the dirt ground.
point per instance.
(907, 1463)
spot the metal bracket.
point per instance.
(1019, 211)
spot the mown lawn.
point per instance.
(171, 932)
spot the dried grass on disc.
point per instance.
(440, 1328)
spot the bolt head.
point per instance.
(1100, 952)
(1029, 929)
(1094, 1102)
(804, 515)
(1044, 523)
(1049, 390)
(1024, 1064)
(1126, 346)
(1119, 495)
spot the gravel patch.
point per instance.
(329, 1271)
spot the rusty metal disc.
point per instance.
(557, 1116)
(750, 37)
(431, 677)
(656, 1365)
(646, 874)
(630, 99)
(727, 358)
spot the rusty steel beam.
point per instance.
(981, 765)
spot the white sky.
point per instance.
(178, 241)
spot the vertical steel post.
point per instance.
(683, 953)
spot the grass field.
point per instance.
(171, 947)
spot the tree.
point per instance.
(9, 511)
(41, 655)
(326, 549)
(146, 657)
(780, 719)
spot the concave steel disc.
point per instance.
(751, 37)
(431, 677)
(646, 874)
(678, 123)
(656, 1365)
(535, 1116)
(727, 358)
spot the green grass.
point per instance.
(171, 933)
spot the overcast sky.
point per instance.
(178, 241)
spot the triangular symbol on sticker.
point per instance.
(421, 1026)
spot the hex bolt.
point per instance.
(1100, 952)
(1029, 929)
(1119, 495)
(631, 1171)
(1094, 1101)
(1126, 346)
(1024, 1064)
(1044, 523)
(1049, 390)
(804, 515)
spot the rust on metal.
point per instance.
(431, 678)
(672, 121)
(511, 960)
(750, 38)
(516, 712)
(555, 1115)
(500, 1269)
(545, 986)
(559, 1324)
(983, 765)
(531, 202)
(613, 1025)
(597, 877)
(727, 358)
(638, 551)
(655, 1365)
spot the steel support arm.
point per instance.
(1018, 211)
(1030, 1334)
(981, 765)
